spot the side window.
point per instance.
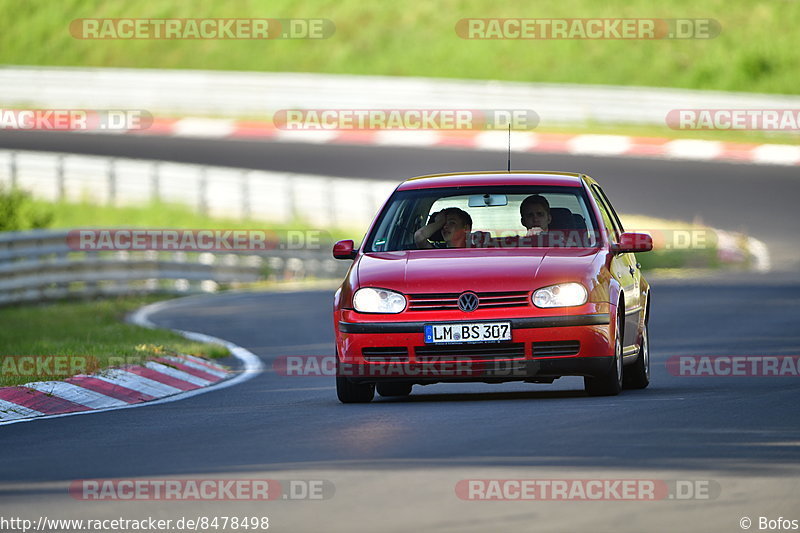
(607, 221)
(614, 217)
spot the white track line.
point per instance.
(16, 410)
(783, 154)
(600, 144)
(76, 394)
(196, 366)
(203, 127)
(177, 374)
(132, 381)
(202, 362)
(693, 149)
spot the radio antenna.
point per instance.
(509, 147)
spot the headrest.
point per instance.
(561, 218)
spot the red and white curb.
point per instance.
(599, 145)
(161, 380)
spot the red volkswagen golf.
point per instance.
(492, 277)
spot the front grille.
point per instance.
(449, 301)
(386, 353)
(551, 349)
(468, 352)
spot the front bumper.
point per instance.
(541, 349)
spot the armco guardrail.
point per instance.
(278, 197)
(256, 94)
(40, 265)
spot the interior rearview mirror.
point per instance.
(488, 200)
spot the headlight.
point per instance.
(561, 295)
(369, 300)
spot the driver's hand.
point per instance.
(534, 231)
(439, 219)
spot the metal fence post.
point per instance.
(12, 168)
(246, 207)
(332, 203)
(290, 199)
(202, 201)
(112, 181)
(60, 186)
(155, 182)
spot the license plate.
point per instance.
(467, 332)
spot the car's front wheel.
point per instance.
(394, 389)
(349, 392)
(610, 383)
(637, 375)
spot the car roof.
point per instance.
(490, 178)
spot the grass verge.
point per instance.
(83, 336)
(86, 214)
(755, 52)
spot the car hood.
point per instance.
(458, 270)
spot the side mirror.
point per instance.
(633, 242)
(344, 250)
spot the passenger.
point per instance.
(535, 214)
(455, 224)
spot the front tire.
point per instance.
(394, 389)
(610, 383)
(637, 375)
(349, 392)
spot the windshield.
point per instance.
(485, 217)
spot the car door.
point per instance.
(623, 267)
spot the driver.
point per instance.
(454, 223)
(534, 214)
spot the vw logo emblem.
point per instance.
(468, 302)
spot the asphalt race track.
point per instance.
(395, 463)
